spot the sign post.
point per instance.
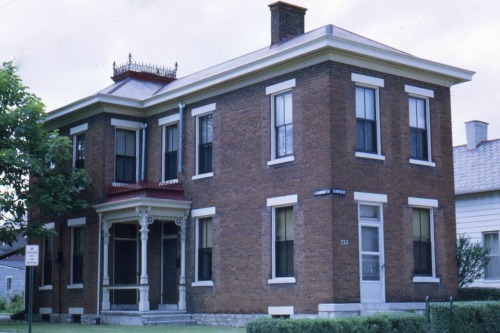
(31, 259)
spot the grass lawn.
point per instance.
(12, 326)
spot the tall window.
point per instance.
(205, 249)
(125, 169)
(422, 242)
(80, 151)
(205, 144)
(76, 255)
(171, 148)
(47, 259)
(283, 242)
(8, 284)
(366, 120)
(418, 128)
(492, 270)
(283, 124)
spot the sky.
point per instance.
(65, 49)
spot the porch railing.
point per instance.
(143, 304)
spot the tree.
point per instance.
(36, 178)
(472, 259)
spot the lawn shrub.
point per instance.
(468, 317)
(479, 294)
(386, 323)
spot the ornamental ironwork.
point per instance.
(132, 66)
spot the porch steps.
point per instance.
(166, 318)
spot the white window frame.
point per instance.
(197, 113)
(7, 279)
(74, 132)
(131, 126)
(273, 91)
(198, 214)
(375, 83)
(164, 123)
(273, 203)
(483, 234)
(48, 226)
(424, 94)
(430, 204)
(72, 224)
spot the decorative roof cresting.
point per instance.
(144, 71)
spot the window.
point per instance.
(368, 142)
(47, 260)
(78, 134)
(204, 138)
(281, 122)
(125, 156)
(204, 243)
(205, 144)
(76, 263)
(171, 147)
(282, 239)
(8, 284)
(205, 249)
(420, 134)
(492, 270)
(424, 265)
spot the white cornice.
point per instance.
(141, 202)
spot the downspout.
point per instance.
(180, 167)
(98, 318)
(143, 155)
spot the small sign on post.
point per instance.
(32, 254)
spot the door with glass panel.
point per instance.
(371, 250)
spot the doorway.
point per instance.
(170, 264)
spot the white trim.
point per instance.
(280, 310)
(126, 124)
(281, 280)
(369, 155)
(203, 110)
(370, 197)
(168, 182)
(75, 311)
(45, 310)
(203, 175)
(419, 91)
(79, 129)
(422, 202)
(77, 222)
(75, 286)
(279, 87)
(202, 212)
(426, 279)
(421, 162)
(202, 284)
(285, 159)
(286, 200)
(47, 287)
(369, 80)
(168, 120)
(49, 226)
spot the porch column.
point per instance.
(182, 278)
(144, 281)
(105, 254)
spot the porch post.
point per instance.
(144, 281)
(105, 234)
(182, 278)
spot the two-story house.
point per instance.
(310, 177)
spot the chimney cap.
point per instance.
(277, 3)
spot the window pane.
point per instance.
(422, 246)
(205, 250)
(370, 267)
(370, 104)
(369, 211)
(421, 225)
(120, 142)
(284, 224)
(288, 108)
(171, 138)
(130, 143)
(284, 241)
(77, 256)
(412, 103)
(360, 103)
(289, 140)
(369, 239)
(421, 114)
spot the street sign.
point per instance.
(32, 254)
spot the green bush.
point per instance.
(479, 294)
(16, 303)
(391, 323)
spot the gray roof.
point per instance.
(477, 170)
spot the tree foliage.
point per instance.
(36, 177)
(472, 259)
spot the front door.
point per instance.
(170, 277)
(125, 266)
(371, 251)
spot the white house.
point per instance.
(477, 195)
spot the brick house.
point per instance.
(312, 177)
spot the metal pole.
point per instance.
(30, 300)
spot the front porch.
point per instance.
(147, 318)
(130, 253)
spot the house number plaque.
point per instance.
(344, 242)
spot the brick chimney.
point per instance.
(287, 21)
(477, 132)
